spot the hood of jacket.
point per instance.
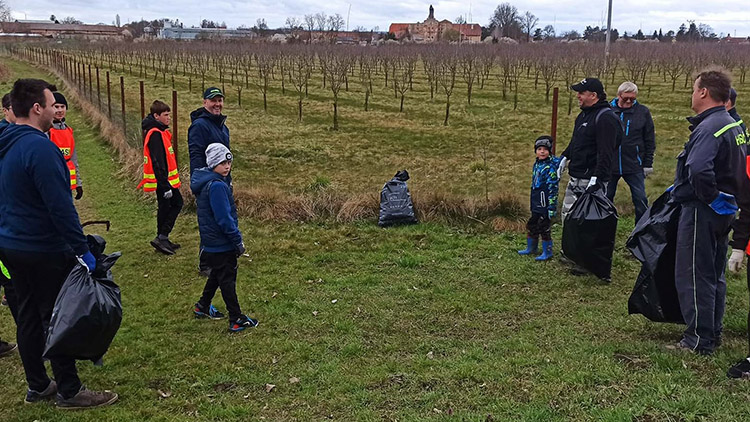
(150, 123)
(12, 134)
(59, 124)
(4, 125)
(202, 113)
(202, 177)
(597, 105)
(697, 119)
(617, 108)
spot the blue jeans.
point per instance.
(637, 183)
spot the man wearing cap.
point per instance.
(740, 226)
(634, 158)
(596, 134)
(207, 127)
(62, 135)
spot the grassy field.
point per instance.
(429, 322)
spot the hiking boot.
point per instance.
(162, 246)
(241, 323)
(36, 396)
(86, 399)
(7, 348)
(212, 313)
(578, 270)
(740, 369)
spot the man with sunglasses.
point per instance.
(634, 159)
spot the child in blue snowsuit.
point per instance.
(544, 184)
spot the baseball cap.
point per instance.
(212, 92)
(589, 84)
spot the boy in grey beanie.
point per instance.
(221, 240)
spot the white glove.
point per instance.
(736, 260)
(647, 171)
(592, 182)
(561, 168)
(168, 194)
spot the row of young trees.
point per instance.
(440, 68)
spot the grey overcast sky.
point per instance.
(630, 15)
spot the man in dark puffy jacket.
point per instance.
(634, 159)
(708, 177)
(596, 135)
(207, 127)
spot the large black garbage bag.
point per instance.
(589, 233)
(88, 310)
(396, 206)
(653, 242)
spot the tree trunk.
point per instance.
(265, 103)
(447, 110)
(335, 115)
(469, 93)
(401, 110)
(367, 99)
(299, 108)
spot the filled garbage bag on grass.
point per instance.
(88, 310)
(653, 242)
(396, 206)
(589, 233)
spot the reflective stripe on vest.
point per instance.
(64, 140)
(149, 178)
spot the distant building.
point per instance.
(432, 30)
(170, 32)
(335, 37)
(49, 29)
(735, 40)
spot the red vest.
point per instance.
(63, 138)
(149, 178)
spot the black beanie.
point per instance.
(60, 99)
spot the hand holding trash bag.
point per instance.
(88, 260)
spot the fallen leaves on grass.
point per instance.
(293, 380)
(164, 394)
(270, 387)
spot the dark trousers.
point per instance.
(741, 230)
(637, 184)
(37, 279)
(701, 254)
(223, 276)
(10, 296)
(168, 211)
(538, 225)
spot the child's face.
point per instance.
(60, 111)
(223, 168)
(542, 153)
(164, 118)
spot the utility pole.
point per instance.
(609, 32)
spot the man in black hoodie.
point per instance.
(596, 134)
(740, 226)
(160, 174)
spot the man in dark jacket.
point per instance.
(740, 226)
(8, 117)
(207, 126)
(160, 166)
(634, 159)
(40, 237)
(708, 177)
(596, 134)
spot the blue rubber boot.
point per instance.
(546, 251)
(531, 246)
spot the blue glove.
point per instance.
(670, 188)
(724, 204)
(551, 214)
(88, 260)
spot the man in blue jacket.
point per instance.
(40, 237)
(207, 126)
(634, 158)
(708, 176)
(8, 117)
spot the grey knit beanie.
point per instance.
(216, 154)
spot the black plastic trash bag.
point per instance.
(396, 206)
(653, 242)
(88, 310)
(589, 233)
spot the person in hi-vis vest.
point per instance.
(160, 174)
(62, 135)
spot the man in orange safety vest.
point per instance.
(62, 135)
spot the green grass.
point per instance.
(431, 322)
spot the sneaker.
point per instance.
(36, 396)
(212, 312)
(174, 246)
(162, 246)
(241, 323)
(7, 348)
(740, 369)
(4, 302)
(86, 399)
(681, 346)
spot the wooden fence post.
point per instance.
(109, 97)
(122, 102)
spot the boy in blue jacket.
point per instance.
(221, 240)
(544, 185)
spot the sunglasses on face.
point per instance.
(627, 99)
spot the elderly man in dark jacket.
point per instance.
(634, 159)
(709, 175)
